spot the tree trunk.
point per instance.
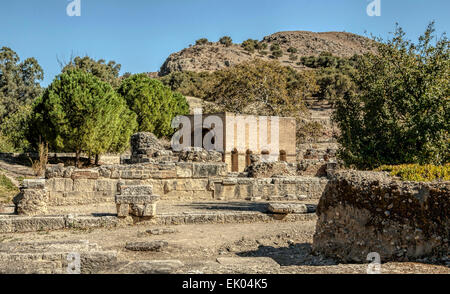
(96, 159)
(77, 158)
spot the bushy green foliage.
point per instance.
(107, 72)
(417, 172)
(275, 47)
(261, 46)
(80, 113)
(250, 45)
(154, 103)
(202, 41)
(272, 88)
(292, 50)
(277, 53)
(190, 83)
(293, 57)
(14, 129)
(400, 113)
(19, 81)
(333, 74)
(226, 40)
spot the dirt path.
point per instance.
(251, 248)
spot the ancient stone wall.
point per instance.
(170, 180)
(363, 212)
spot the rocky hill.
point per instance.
(214, 56)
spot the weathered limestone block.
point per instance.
(285, 208)
(33, 184)
(54, 171)
(137, 200)
(31, 201)
(206, 170)
(60, 184)
(85, 174)
(124, 189)
(84, 185)
(158, 245)
(362, 212)
(107, 185)
(184, 169)
(186, 185)
(51, 257)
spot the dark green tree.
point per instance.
(19, 81)
(154, 103)
(80, 113)
(401, 112)
(107, 72)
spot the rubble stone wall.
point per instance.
(363, 212)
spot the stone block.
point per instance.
(206, 170)
(184, 170)
(60, 184)
(123, 210)
(134, 189)
(31, 202)
(33, 184)
(85, 174)
(136, 199)
(107, 185)
(285, 208)
(84, 185)
(147, 246)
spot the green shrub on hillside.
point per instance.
(275, 47)
(226, 40)
(277, 53)
(250, 45)
(202, 41)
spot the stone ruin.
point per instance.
(190, 175)
(136, 200)
(362, 212)
(146, 147)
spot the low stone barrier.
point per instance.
(54, 257)
(191, 181)
(23, 224)
(363, 212)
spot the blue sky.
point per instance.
(140, 34)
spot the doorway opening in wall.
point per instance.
(247, 157)
(234, 160)
(283, 155)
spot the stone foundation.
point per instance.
(186, 181)
(363, 212)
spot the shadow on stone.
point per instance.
(293, 255)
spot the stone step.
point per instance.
(286, 208)
(158, 245)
